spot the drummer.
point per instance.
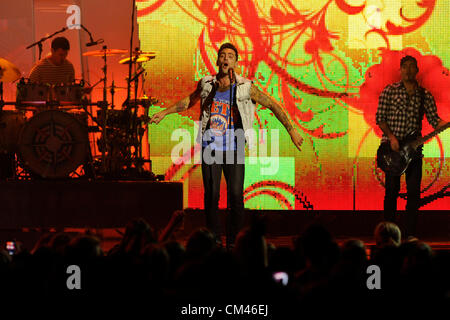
(55, 69)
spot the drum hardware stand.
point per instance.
(130, 79)
(89, 165)
(39, 43)
(112, 91)
(90, 160)
(103, 105)
(135, 126)
(2, 102)
(95, 84)
(3, 125)
(131, 52)
(91, 39)
(137, 130)
(105, 69)
(103, 109)
(146, 103)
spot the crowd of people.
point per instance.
(161, 273)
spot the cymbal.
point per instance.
(139, 52)
(147, 98)
(144, 100)
(115, 88)
(8, 71)
(138, 58)
(101, 53)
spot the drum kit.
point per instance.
(46, 134)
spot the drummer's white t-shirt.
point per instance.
(47, 72)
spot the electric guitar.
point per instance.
(396, 163)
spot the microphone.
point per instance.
(93, 43)
(231, 75)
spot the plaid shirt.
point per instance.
(402, 112)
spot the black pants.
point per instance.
(413, 179)
(234, 177)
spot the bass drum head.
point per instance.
(53, 144)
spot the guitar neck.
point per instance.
(424, 139)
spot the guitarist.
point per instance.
(400, 112)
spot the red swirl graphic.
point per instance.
(432, 75)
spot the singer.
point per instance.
(54, 69)
(227, 105)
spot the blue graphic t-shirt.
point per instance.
(220, 135)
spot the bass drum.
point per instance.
(53, 144)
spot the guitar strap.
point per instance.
(421, 115)
(422, 105)
(421, 111)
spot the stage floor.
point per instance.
(31, 208)
(83, 204)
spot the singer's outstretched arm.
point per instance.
(263, 99)
(179, 106)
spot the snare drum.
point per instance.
(68, 94)
(32, 94)
(35, 96)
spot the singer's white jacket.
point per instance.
(244, 103)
